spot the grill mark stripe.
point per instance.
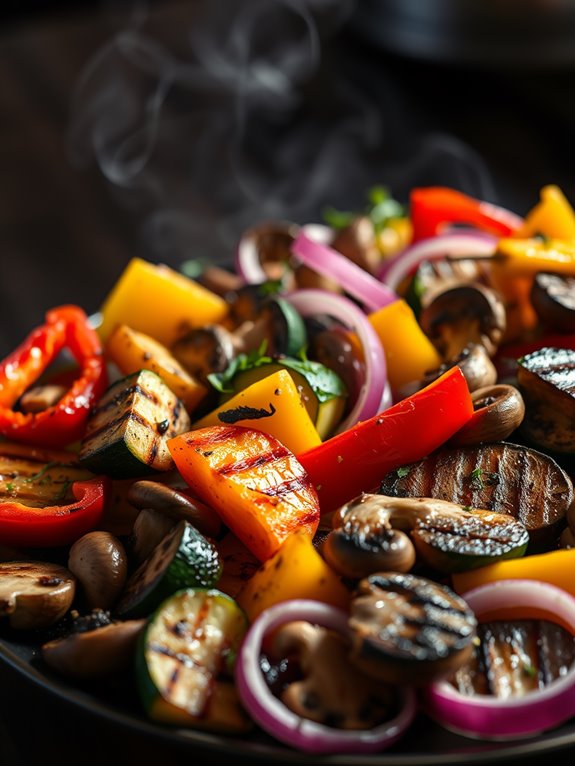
(286, 487)
(253, 461)
(122, 396)
(128, 415)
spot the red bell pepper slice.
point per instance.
(356, 460)
(28, 527)
(66, 327)
(434, 207)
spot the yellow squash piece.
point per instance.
(160, 302)
(272, 405)
(132, 351)
(296, 571)
(409, 353)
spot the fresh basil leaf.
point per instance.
(325, 383)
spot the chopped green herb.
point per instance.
(529, 670)
(63, 491)
(382, 209)
(477, 478)
(10, 487)
(42, 472)
(402, 472)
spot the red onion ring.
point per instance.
(329, 263)
(395, 269)
(277, 719)
(511, 718)
(373, 392)
(248, 264)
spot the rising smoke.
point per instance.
(244, 111)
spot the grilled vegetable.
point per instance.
(296, 571)
(546, 379)
(35, 594)
(499, 411)
(273, 405)
(46, 498)
(502, 477)
(321, 390)
(462, 314)
(553, 298)
(185, 662)
(409, 630)
(366, 538)
(99, 562)
(128, 432)
(183, 559)
(255, 483)
(132, 351)
(96, 647)
(515, 658)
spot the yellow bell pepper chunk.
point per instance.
(552, 217)
(555, 568)
(160, 302)
(272, 405)
(132, 351)
(296, 571)
(409, 353)
(512, 275)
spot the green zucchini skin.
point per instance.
(183, 559)
(185, 660)
(128, 432)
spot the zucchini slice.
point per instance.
(128, 432)
(185, 659)
(183, 559)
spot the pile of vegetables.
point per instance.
(315, 495)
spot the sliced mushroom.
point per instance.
(100, 651)
(409, 630)
(220, 281)
(462, 314)
(35, 594)
(331, 691)
(368, 535)
(98, 560)
(166, 500)
(499, 411)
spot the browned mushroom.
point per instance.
(462, 314)
(330, 691)
(35, 594)
(499, 411)
(39, 398)
(155, 496)
(369, 535)
(97, 647)
(409, 630)
(99, 562)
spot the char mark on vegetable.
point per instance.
(254, 461)
(245, 413)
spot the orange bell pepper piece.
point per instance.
(256, 485)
